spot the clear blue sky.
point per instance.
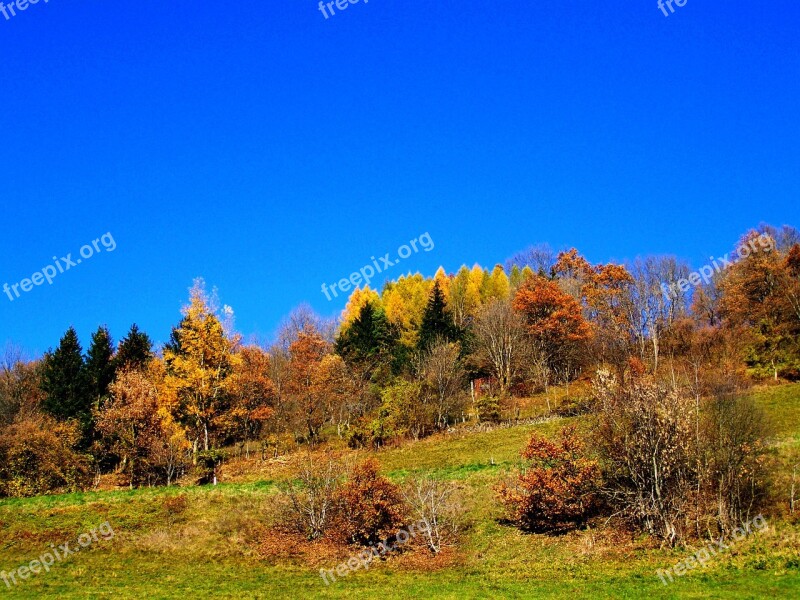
(270, 150)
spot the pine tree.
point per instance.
(369, 341)
(437, 322)
(99, 365)
(67, 394)
(135, 350)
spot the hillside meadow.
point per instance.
(216, 541)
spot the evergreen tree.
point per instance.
(67, 395)
(135, 350)
(99, 365)
(370, 339)
(437, 322)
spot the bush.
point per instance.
(37, 457)
(369, 507)
(207, 463)
(677, 465)
(310, 501)
(435, 504)
(734, 452)
(646, 437)
(488, 409)
(557, 487)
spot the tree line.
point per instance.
(419, 356)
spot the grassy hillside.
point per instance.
(209, 542)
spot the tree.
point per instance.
(252, 395)
(555, 325)
(345, 392)
(537, 259)
(306, 382)
(500, 344)
(573, 272)
(608, 304)
(20, 393)
(302, 319)
(368, 342)
(310, 501)
(464, 299)
(437, 322)
(403, 411)
(434, 503)
(67, 393)
(198, 360)
(135, 350)
(99, 365)
(279, 375)
(445, 377)
(497, 286)
(139, 430)
(443, 279)
(358, 299)
(404, 301)
(756, 301)
(653, 312)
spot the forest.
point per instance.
(676, 447)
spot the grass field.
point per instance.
(213, 547)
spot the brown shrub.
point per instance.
(369, 507)
(37, 457)
(557, 487)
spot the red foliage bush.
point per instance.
(369, 506)
(557, 487)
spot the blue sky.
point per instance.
(270, 150)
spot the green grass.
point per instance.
(210, 550)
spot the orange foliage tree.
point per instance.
(555, 325)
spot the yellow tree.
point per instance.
(404, 301)
(443, 279)
(356, 302)
(476, 289)
(199, 359)
(498, 288)
(457, 299)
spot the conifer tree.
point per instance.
(370, 339)
(67, 395)
(99, 365)
(437, 322)
(135, 350)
